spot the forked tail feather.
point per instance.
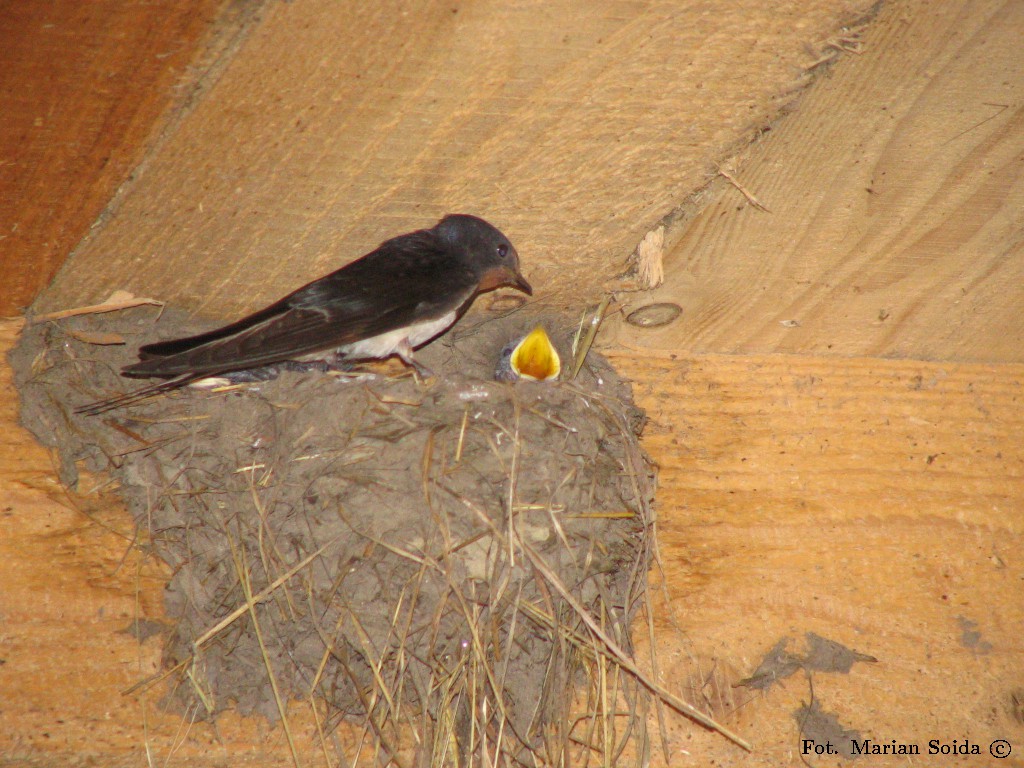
(135, 396)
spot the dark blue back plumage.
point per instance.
(412, 279)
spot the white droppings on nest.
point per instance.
(473, 392)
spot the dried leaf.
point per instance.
(103, 339)
(118, 300)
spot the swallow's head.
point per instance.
(487, 250)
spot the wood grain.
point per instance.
(896, 206)
(874, 502)
(83, 85)
(573, 130)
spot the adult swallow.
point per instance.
(394, 299)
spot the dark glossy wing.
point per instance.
(408, 279)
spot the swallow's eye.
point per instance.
(502, 251)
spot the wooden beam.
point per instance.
(83, 85)
(894, 198)
(873, 502)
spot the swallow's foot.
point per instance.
(271, 372)
(420, 371)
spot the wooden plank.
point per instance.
(573, 129)
(874, 502)
(896, 206)
(83, 85)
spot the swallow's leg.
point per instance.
(404, 353)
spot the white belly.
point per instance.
(386, 344)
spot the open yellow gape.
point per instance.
(535, 357)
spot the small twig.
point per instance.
(583, 349)
(243, 576)
(743, 190)
(118, 300)
(611, 646)
(1001, 108)
(227, 621)
(623, 658)
(320, 731)
(462, 436)
(263, 595)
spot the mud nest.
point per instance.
(431, 558)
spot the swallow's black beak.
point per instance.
(516, 277)
(518, 281)
(506, 274)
